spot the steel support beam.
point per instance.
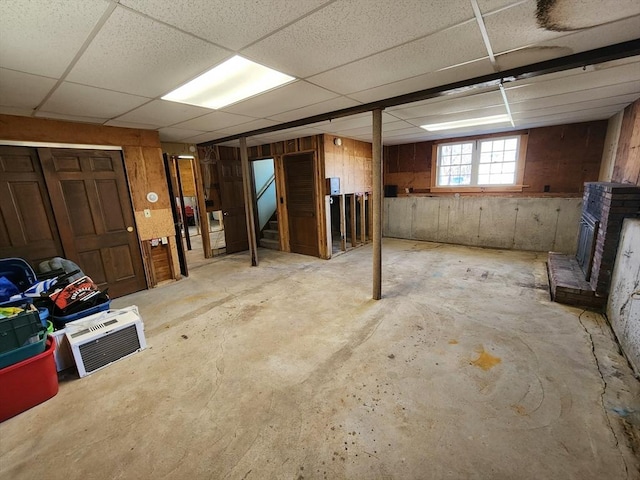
(577, 60)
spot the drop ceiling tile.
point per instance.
(525, 31)
(573, 81)
(161, 113)
(568, 15)
(71, 118)
(140, 126)
(203, 137)
(452, 117)
(423, 82)
(586, 99)
(516, 27)
(347, 123)
(345, 31)
(171, 134)
(289, 134)
(214, 121)
(247, 127)
(445, 106)
(288, 97)
(457, 45)
(583, 108)
(561, 120)
(469, 131)
(367, 131)
(231, 143)
(74, 99)
(137, 55)
(487, 6)
(568, 44)
(527, 118)
(404, 132)
(43, 37)
(23, 90)
(237, 23)
(21, 112)
(316, 109)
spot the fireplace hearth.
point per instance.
(584, 279)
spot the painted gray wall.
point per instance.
(539, 224)
(623, 307)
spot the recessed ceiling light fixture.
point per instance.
(228, 83)
(468, 122)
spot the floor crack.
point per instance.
(603, 391)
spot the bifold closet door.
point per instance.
(27, 225)
(93, 212)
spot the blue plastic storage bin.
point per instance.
(20, 273)
(61, 321)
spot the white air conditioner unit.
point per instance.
(101, 339)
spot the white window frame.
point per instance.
(474, 186)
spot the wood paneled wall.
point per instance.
(187, 175)
(627, 164)
(351, 162)
(562, 157)
(142, 158)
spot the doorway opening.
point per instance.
(266, 203)
(196, 227)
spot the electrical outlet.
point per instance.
(147, 213)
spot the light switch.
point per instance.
(147, 213)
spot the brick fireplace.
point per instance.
(584, 280)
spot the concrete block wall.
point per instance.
(532, 223)
(623, 307)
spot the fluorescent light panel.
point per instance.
(468, 122)
(228, 83)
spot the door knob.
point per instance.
(129, 229)
(225, 213)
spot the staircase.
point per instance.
(271, 235)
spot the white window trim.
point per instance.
(517, 187)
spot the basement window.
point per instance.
(483, 164)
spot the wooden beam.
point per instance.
(363, 220)
(352, 221)
(248, 202)
(203, 221)
(369, 199)
(377, 204)
(343, 223)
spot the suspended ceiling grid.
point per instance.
(109, 62)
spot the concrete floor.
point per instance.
(465, 369)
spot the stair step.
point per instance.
(271, 234)
(273, 224)
(269, 243)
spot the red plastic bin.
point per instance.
(28, 383)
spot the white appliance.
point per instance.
(104, 338)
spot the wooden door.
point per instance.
(27, 225)
(301, 203)
(92, 208)
(232, 196)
